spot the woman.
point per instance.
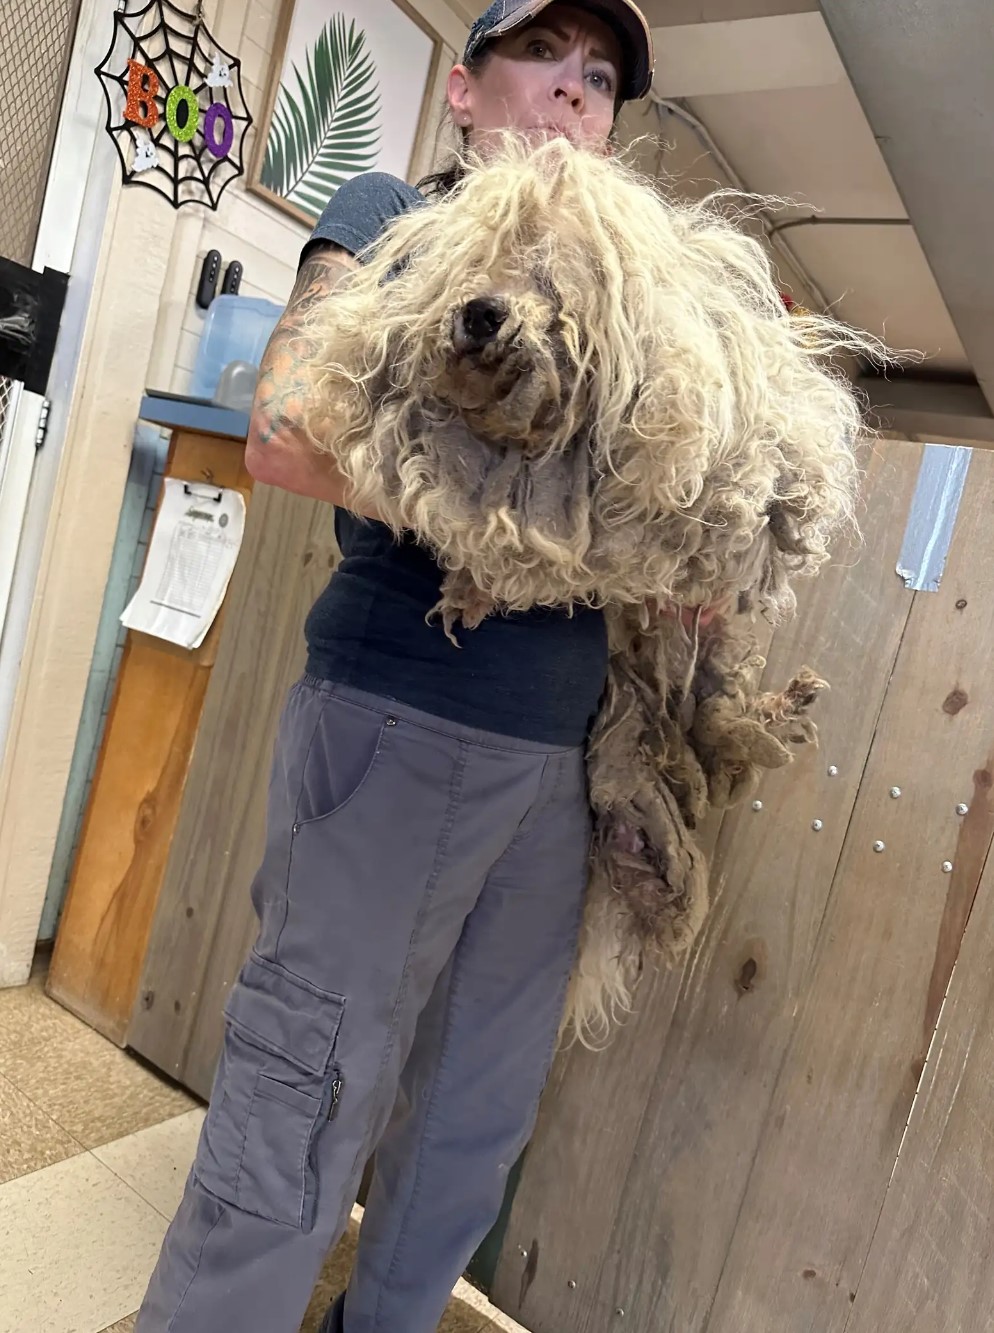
(421, 889)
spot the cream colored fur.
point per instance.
(649, 427)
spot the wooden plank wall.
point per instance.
(204, 922)
(137, 792)
(723, 1166)
(929, 1267)
(885, 954)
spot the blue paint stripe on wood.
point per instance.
(138, 504)
(932, 518)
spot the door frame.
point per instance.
(69, 237)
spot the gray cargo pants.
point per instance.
(419, 901)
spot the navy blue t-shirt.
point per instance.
(536, 675)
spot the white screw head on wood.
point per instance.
(833, 770)
(572, 1284)
(817, 825)
(878, 846)
(895, 792)
(947, 867)
(523, 1252)
(757, 805)
(962, 809)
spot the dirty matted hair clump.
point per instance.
(643, 426)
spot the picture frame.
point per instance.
(349, 91)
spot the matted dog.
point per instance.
(576, 390)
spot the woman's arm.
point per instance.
(278, 450)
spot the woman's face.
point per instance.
(557, 75)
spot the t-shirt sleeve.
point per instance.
(359, 210)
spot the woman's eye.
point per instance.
(601, 80)
(539, 48)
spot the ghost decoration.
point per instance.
(146, 154)
(219, 75)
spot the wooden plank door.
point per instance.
(722, 1167)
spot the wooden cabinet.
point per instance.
(137, 790)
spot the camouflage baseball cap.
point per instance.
(624, 18)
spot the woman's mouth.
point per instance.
(552, 132)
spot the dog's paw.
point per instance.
(784, 715)
(462, 603)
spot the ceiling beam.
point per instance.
(923, 74)
(672, 13)
(745, 55)
(929, 409)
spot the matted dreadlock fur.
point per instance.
(640, 426)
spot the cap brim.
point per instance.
(626, 18)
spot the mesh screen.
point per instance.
(6, 393)
(35, 42)
(6, 388)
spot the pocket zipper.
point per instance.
(336, 1092)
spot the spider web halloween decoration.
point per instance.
(175, 107)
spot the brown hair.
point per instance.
(439, 183)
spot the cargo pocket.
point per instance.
(277, 1088)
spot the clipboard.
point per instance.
(195, 543)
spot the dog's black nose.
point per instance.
(478, 324)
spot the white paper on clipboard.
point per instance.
(197, 536)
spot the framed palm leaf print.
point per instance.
(348, 94)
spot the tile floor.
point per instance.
(94, 1150)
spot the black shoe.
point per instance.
(332, 1322)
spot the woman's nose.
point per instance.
(570, 88)
(477, 324)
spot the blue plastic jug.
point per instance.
(236, 328)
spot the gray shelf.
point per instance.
(193, 414)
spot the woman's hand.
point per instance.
(278, 450)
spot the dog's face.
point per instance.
(510, 310)
(505, 366)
